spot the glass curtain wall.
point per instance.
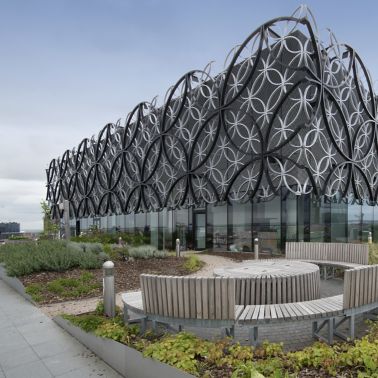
(367, 221)
(217, 227)
(339, 220)
(354, 221)
(267, 225)
(240, 227)
(182, 227)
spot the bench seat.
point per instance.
(318, 308)
(336, 264)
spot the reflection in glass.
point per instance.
(130, 223)
(240, 227)
(367, 220)
(200, 230)
(182, 227)
(267, 225)
(154, 229)
(354, 221)
(217, 227)
(339, 219)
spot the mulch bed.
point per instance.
(126, 275)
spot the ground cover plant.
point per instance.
(223, 358)
(21, 259)
(193, 263)
(61, 289)
(373, 253)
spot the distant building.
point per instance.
(9, 227)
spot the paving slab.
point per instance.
(33, 346)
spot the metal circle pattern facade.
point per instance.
(287, 112)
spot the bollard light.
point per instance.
(256, 249)
(109, 292)
(370, 238)
(177, 247)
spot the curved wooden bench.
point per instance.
(272, 290)
(344, 254)
(334, 255)
(185, 301)
(360, 295)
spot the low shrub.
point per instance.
(146, 252)
(64, 287)
(193, 263)
(222, 358)
(59, 256)
(373, 253)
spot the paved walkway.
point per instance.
(33, 346)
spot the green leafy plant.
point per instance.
(223, 358)
(87, 322)
(35, 291)
(64, 287)
(373, 253)
(193, 263)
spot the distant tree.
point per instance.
(50, 227)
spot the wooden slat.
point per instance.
(175, 298)
(211, 298)
(159, 297)
(168, 281)
(218, 298)
(186, 296)
(231, 297)
(180, 296)
(205, 298)
(164, 297)
(224, 298)
(199, 314)
(192, 298)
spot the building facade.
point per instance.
(281, 145)
(9, 227)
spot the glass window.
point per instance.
(217, 227)
(120, 222)
(339, 220)
(182, 229)
(130, 223)
(240, 227)
(320, 219)
(289, 208)
(367, 220)
(140, 222)
(267, 225)
(155, 229)
(354, 221)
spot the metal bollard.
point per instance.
(177, 247)
(256, 249)
(109, 292)
(370, 238)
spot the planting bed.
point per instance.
(126, 277)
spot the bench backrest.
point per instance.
(345, 252)
(273, 290)
(360, 286)
(188, 297)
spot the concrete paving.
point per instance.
(33, 346)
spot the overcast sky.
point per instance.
(68, 67)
